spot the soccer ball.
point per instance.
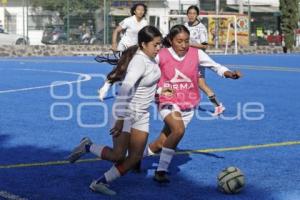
(231, 180)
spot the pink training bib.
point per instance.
(181, 77)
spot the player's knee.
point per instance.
(160, 143)
(179, 131)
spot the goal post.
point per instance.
(221, 40)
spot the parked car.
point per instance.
(54, 34)
(275, 39)
(12, 39)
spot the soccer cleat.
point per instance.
(161, 177)
(137, 167)
(80, 150)
(101, 188)
(219, 110)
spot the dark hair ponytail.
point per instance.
(117, 74)
(145, 35)
(166, 41)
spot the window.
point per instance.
(11, 23)
(38, 22)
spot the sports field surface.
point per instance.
(48, 104)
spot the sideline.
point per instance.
(81, 78)
(211, 150)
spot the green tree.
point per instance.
(289, 21)
(61, 6)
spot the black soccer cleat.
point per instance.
(137, 168)
(161, 177)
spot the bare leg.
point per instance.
(115, 154)
(177, 129)
(119, 150)
(137, 143)
(219, 108)
(204, 87)
(176, 126)
(157, 144)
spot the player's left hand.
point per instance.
(233, 74)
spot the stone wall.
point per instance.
(52, 50)
(92, 50)
(265, 50)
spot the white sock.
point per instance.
(112, 174)
(165, 158)
(148, 152)
(96, 150)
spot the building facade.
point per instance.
(17, 16)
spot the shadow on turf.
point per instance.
(190, 151)
(70, 181)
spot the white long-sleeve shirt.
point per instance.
(138, 87)
(204, 61)
(131, 27)
(198, 33)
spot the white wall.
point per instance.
(162, 9)
(14, 9)
(274, 3)
(35, 37)
(2, 16)
(21, 18)
(175, 4)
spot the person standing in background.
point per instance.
(198, 39)
(130, 26)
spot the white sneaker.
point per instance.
(219, 110)
(80, 150)
(101, 188)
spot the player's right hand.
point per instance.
(166, 91)
(102, 93)
(103, 90)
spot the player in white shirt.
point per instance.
(139, 73)
(131, 26)
(198, 39)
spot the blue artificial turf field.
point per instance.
(40, 124)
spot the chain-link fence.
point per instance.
(92, 21)
(60, 21)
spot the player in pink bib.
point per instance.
(181, 77)
(178, 93)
